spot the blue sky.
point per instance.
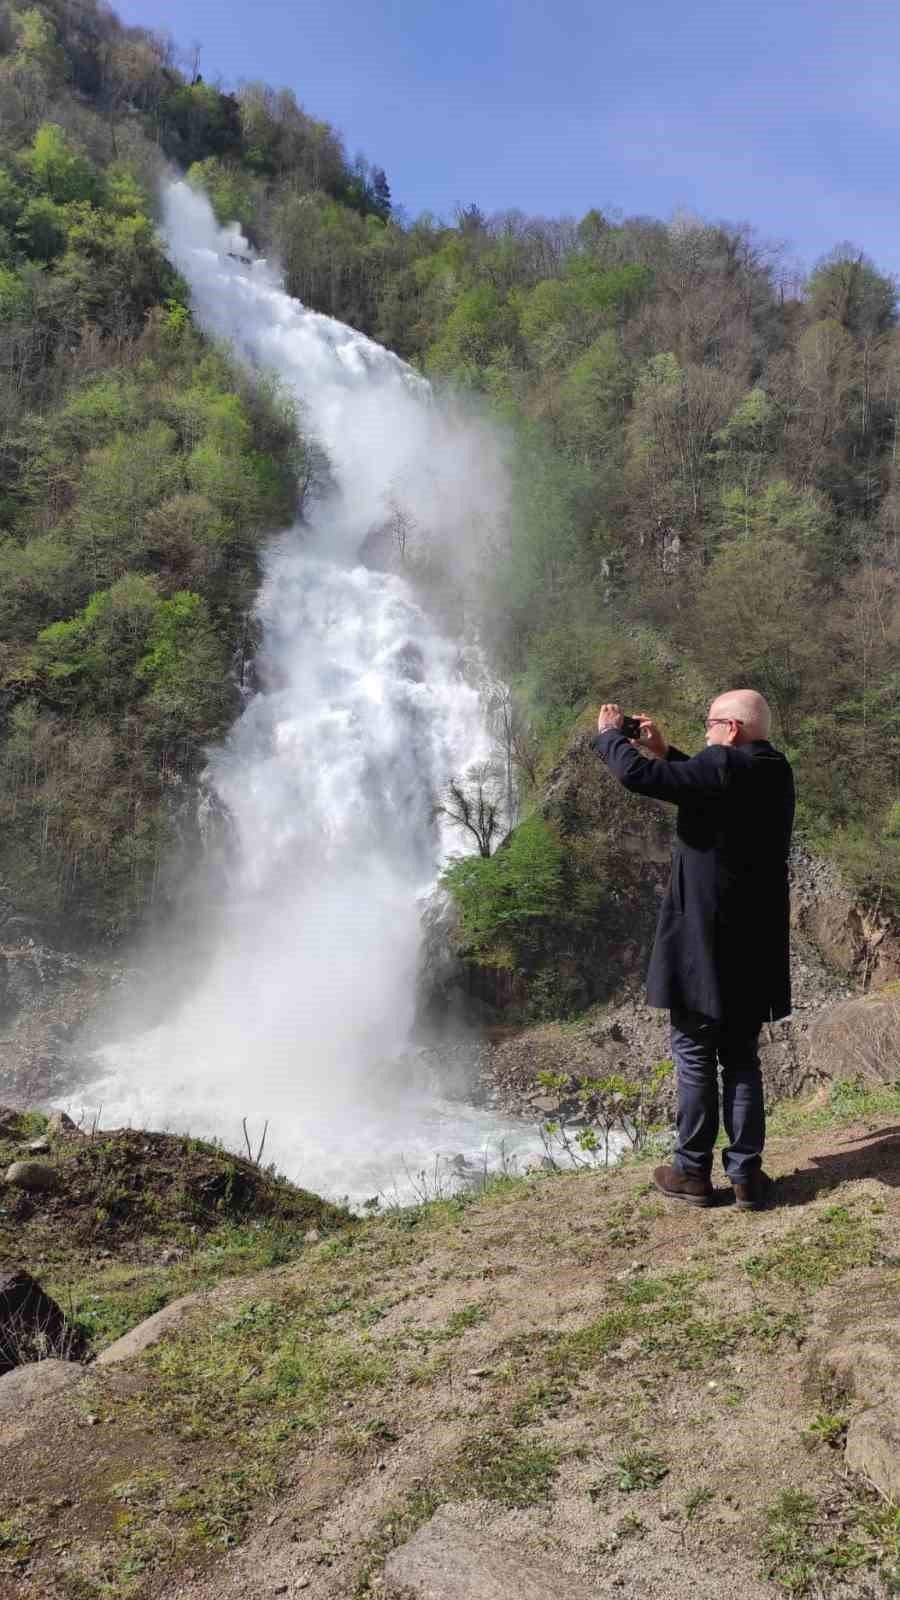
(785, 115)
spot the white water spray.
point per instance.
(330, 775)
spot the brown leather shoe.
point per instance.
(677, 1185)
(755, 1195)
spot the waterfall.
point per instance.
(303, 1014)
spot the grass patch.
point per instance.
(543, 1398)
(460, 1321)
(849, 1100)
(114, 1296)
(16, 1543)
(810, 1257)
(505, 1467)
(240, 1388)
(805, 1545)
(669, 1318)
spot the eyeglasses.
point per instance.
(711, 721)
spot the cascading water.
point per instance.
(306, 1008)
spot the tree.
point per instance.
(60, 171)
(381, 191)
(847, 287)
(471, 804)
(752, 622)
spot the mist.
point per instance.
(303, 1012)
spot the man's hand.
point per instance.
(611, 716)
(653, 740)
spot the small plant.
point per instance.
(544, 1397)
(696, 1500)
(639, 1469)
(466, 1317)
(805, 1545)
(631, 1526)
(830, 1428)
(610, 1110)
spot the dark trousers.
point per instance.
(699, 1046)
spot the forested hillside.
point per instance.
(705, 471)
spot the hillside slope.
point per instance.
(634, 1394)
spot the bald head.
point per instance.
(747, 708)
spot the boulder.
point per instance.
(859, 1349)
(857, 1038)
(61, 1126)
(32, 1326)
(448, 1560)
(23, 1386)
(37, 1177)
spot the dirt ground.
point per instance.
(575, 1365)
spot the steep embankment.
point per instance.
(606, 1393)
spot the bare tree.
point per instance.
(515, 741)
(470, 803)
(400, 524)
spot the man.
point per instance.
(720, 960)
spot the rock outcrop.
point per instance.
(859, 1350)
(32, 1326)
(448, 1560)
(858, 1038)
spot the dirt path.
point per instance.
(574, 1363)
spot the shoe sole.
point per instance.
(701, 1200)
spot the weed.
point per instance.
(467, 1317)
(830, 1428)
(695, 1501)
(848, 1100)
(804, 1544)
(639, 1469)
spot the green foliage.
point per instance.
(60, 171)
(604, 1106)
(640, 1469)
(527, 881)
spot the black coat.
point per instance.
(722, 942)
